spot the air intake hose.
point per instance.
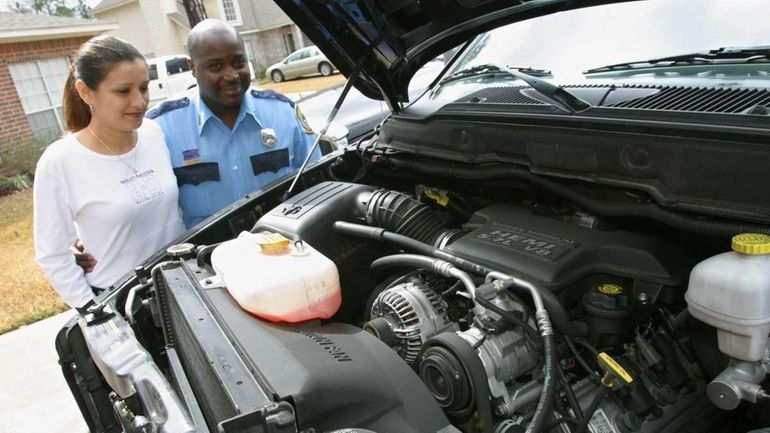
(405, 215)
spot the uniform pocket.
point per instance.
(270, 161)
(197, 173)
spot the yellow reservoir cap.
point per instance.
(751, 243)
(272, 243)
(611, 289)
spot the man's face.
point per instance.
(221, 69)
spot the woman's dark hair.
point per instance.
(94, 61)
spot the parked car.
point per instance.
(305, 61)
(568, 232)
(170, 76)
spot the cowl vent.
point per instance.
(640, 97)
(703, 100)
(501, 95)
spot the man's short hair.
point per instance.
(209, 26)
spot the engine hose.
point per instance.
(646, 210)
(545, 403)
(438, 266)
(532, 335)
(569, 393)
(555, 309)
(561, 420)
(403, 214)
(591, 409)
(583, 363)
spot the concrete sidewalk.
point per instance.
(33, 394)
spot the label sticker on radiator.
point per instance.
(600, 423)
(525, 241)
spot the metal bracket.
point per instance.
(212, 282)
(276, 418)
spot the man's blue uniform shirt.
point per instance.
(216, 165)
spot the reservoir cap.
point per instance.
(751, 243)
(272, 243)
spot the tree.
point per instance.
(196, 12)
(18, 7)
(82, 9)
(57, 8)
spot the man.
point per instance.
(225, 139)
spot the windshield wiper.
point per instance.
(560, 97)
(724, 55)
(489, 68)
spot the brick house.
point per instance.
(160, 27)
(35, 53)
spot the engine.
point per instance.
(474, 341)
(350, 306)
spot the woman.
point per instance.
(109, 181)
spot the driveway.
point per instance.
(33, 394)
(301, 87)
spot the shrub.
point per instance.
(17, 164)
(22, 157)
(17, 182)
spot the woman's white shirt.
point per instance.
(120, 217)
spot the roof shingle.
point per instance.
(10, 21)
(266, 15)
(106, 4)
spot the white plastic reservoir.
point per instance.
(731, 292)
(276, 279)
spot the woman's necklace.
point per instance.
(136, 151)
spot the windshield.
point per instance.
(569, 43)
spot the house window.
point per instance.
(231, 11)
(40, 86)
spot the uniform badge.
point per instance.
(190, 157)
(268, 137)
(303, 121)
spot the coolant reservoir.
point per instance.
(731, 292)
(276, 279)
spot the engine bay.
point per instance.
(437, 330)
(474, 307)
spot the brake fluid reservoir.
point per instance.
(731, 292)
(276, 279)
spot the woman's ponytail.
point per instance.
(77, 114)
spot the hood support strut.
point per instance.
(329, 118)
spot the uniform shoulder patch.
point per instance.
(302, 120)
(166, 106)
(266, 93)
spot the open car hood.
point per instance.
(391, 39)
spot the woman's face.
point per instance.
(120, 100)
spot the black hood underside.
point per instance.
(390, 40)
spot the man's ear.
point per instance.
(191, 65)
(84, 91)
